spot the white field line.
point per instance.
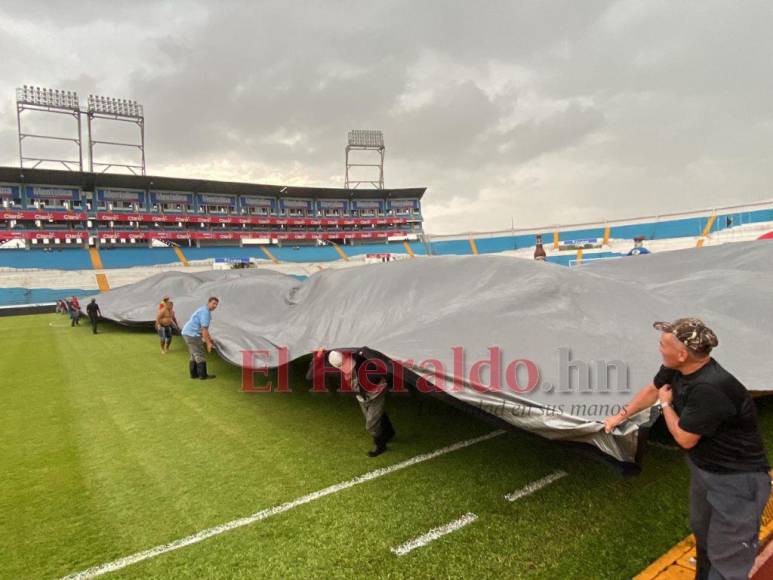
(434, 534)
(267, 513)
(535, 485)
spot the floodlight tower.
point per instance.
(48, 101)
(121, 110)
(366, 140)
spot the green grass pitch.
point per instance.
(108, 449)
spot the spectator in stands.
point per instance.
(638, 247)
(371, 397)
(93, 312)
(195, 333)
(75, 311)
(166, 322)
(711, 415)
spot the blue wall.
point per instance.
(329, 253)
(70, 259)
(10, 296)
(394, 247)
(220, 252)
(303, 253)
(128, 257)
(567, 259)
(677, 228)
(451, 247)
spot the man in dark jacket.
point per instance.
(370, 386)
(93, 312)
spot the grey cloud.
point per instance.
(448, 129)
(562, 129)
(75, 14)
(603, 108)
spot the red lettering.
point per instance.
(364, 374)
(423, 385)
(494, 364)
(249, 372)
(511, 376)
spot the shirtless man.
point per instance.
(166, 321)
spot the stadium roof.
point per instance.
(92, 181)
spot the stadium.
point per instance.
(505, 352)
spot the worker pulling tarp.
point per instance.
(548, 349)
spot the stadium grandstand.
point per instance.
(71, 233)
(49, 207)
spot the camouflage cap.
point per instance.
(692, 332)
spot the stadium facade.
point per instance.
(69, 208)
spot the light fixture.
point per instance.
(100, 105)
(54, 98)
(366, 138)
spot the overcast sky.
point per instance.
(537, 112)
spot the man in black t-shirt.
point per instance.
(711, 415)
(94, 313)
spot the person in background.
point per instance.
(166, 323)
(75, 311)
(195, 333)
(93, 312)
(638, 247)
(372, 400)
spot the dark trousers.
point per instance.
(725, 514)
(372, 407)
(93, 320)
(196, 348)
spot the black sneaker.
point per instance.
(377, 450)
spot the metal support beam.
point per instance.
(367, 142)
(35, 100)
(111, 110)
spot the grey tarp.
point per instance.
(422, 309)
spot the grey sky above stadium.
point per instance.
(532, 111)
